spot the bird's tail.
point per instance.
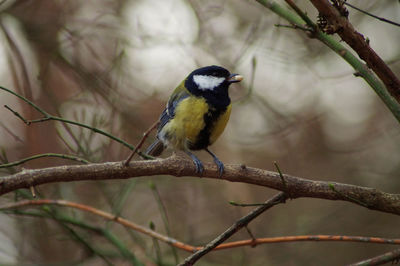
(156, 148)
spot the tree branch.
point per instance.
(372, 15)
(242, 222)
(48, 117)
(391, 256)
(13, 209)
(34, 157)
(360, 68)
(175, 166)
(357, 41)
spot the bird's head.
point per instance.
(211, 80)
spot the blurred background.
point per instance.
(113, 64)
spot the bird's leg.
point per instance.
(196, 161)
(219, 164)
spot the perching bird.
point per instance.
(196, 114)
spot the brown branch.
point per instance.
(239, 224)
(105, 215)
(296, 187)
(357, 41)
(139, 145)
(190, 248)
(282, 239)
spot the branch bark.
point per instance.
(295, 187)
(357, 41)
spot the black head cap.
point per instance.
(210, 80)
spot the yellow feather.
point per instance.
(188, 121)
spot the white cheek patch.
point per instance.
(207, 82)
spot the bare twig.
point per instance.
(139, 145)
(295, 27)
(48, 117)
(245, 204)
(64, 219)
(57, 155)
(242, 222)
(302, 14)
(33, 192)
(318, 238)
(390, 256)
(106, 215)
(372, 15)
(282, 177)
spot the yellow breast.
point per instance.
(187, 122)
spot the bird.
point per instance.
(196, 114)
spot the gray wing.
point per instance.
(169, 111)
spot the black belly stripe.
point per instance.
(203, 138)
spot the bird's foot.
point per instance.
(219, 164)
(197, 163)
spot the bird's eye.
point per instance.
(214, 73)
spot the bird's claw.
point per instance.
(197, 163)
(220, 166)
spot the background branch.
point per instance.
(372, 15)
(242, 222)
(360, 68)
(34, 157)
(359, 44)
(48, 117)
(13, 209)
(390, 256)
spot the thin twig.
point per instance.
(33, 192)
(253, 239)
(372, 15)
(164, 215)
(302, 14)
(295, 27)
(48, 117)
(106, 215)
(390, 256)
(139, 145)
(245, 204)
(16, 138)
(281, 176)
(57, 155)
(332, 186)
(279, 198)
(108, 235)
(317, 238)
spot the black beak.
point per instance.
(233, 78)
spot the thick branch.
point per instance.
(295, 187)
(357, 41)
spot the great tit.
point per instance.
(196, 114)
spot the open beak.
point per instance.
(233, 78)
